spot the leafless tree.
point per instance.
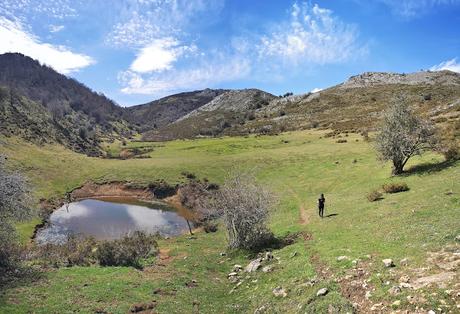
(403, 135)
(245, 207)
(14, 206)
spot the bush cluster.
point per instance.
(127, 251)
(374, 196)
(395, 187)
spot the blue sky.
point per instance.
(135, 51)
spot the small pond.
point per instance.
(111, 218)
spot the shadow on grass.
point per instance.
(427, 168)
(331, 215)
(24, 276)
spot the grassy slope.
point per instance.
(402, 225)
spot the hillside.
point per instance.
(223, 115)
(342, 252)
(161, 112)
(353, 106)
(73, 113)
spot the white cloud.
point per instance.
(316, 89)
(159, 55)
(15, 39)
(204, 75)
(414, 8)
(139, 22)
(56, 28)
(312, 35)
(451, 65)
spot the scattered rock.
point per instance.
(294, 254)
(388, 262)
(261, 310)
(376, 306)
(237, 268)
(191, 284)
(440, 279)
(267, 269)
(404, 278)
(405, 285)
(342, 258)
(368, 295)
(322, 292)
(232, 274)
(457, 238)
(396, 303)
(431, 312)
(404, 262)
(140, 307)
(268, 256)
(254, 265)
(223, 254)
(279, 292)
(394, 290)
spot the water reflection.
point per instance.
(111, 219)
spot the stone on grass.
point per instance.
(267, 269)
(368, 295)
(342, 258)
(237, 268)
(457, 238)
(279, 292)
(388, 262)
(396, 303)
(394, 290)
(404, 278)
(322, 292)
(254, 265)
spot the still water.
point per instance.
(110, 219)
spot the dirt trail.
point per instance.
(304, 216)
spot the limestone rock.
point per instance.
(322, 292)
(388, 262)
(254, 265)
(279, 292)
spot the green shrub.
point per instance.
(374, 196)
(127, 251)
(451, 153)
(395, 187)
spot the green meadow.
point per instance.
(297, 167)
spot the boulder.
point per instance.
(254, 265)
(388, 262)
(267, 269)
(394, 290)
(279, 292)
(237, 268)
(322, 292)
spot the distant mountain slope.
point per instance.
(353, 106)
(357, 104)
(161, 112)
(223, 115)
(81, 117)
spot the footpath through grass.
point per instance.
(297, 166)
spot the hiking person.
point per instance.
(321, 202)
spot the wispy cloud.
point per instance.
(140, 22)
(160, 55)
(204, 75)
(313, 34)
(309, 36)
(56, 28)
(451, 65)
(15, 39)
(414, 8)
